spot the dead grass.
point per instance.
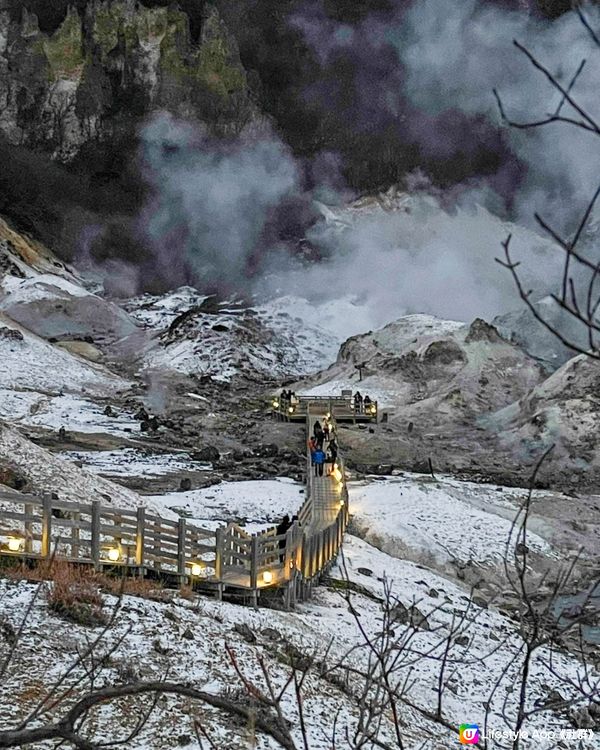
(75, 595)
(84, 578)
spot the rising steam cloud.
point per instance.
(211, 202)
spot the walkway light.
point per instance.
(275, 403)
(15, 543)
(267, 577)
(111, 552)
(291, 409)
(197, 569)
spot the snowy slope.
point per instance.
(188, 640)
(45, 472)
(33, 364)
(228, 339)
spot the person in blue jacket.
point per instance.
(319, 461)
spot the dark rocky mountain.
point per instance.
(106, 65)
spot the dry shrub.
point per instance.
(75, 595)
(141, 587)
(187, 592)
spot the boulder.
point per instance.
(245, 631)
(206, 453)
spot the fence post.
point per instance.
(28, 528)
(219, 554)
(46, 524)
(75, 537)
(95, 543)
(140, 536)
(254, 563)
(181, 547)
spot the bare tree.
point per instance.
(579, 294)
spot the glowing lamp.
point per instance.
(373, 409)
(291, 409)
(15, 544)
(267, 576)
(197, 569)
(276, 404)
(114, 554)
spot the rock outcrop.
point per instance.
(109, 64)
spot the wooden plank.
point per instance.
(181, 547)
(118, 531)
(254, 563)
(46, 525)
(12, 496)
(75, 537)
(140, 535)
(16, 515)
(95, 541)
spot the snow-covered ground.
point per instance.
(46, 472)
(270, 339)
(73, 413)
(439, 521)
(253, 504)
(32, 364)
(188, 640)
(132, 462)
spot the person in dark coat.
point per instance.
(358, 402)
(319, 461)
(333, 448)
(367, 402)
(317, 428)
(282, 528)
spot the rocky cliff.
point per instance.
(108, 64)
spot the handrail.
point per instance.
(139, 540)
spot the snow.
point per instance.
(47, 473)
(268, 339)
(71, 412)
(257, 504)
(35, 365)
(38, 287)
(133, 462)
(324, 627)
(438, 522)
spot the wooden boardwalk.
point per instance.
(221, 561)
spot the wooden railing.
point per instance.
(341, 408)
(101, 536)
(141, 542)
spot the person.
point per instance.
(319, 461)
(317, 428)
(358, 402)
(326, 429)
(282, 529)
(312, 445)
(284, 396)
(333, 448)
(367, 402)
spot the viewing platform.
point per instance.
(341, 408)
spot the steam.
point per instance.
(456, 58)
(430, 71)
(211, 202)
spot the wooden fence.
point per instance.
(342, 408)
(141, 542)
